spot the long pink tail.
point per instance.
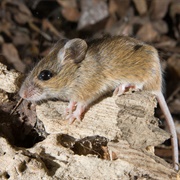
(172, 129)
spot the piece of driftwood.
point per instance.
(129, 117)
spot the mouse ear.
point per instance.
(74, 49)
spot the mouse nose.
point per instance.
(30, 92)
(23, 94)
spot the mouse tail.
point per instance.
(172, 129)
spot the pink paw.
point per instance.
(72, 117)
(74, 111)
(70, 108)
(124, 88)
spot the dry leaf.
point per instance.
(11, 53)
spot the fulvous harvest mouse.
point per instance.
(80, 72)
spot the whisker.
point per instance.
(17, 105)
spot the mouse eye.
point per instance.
(45, 75)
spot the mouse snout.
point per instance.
(29, 92)
(25, 93)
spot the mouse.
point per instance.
(81, 71)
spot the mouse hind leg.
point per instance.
(125, 87)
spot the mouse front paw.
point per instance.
(72, 117)
(74, 111)
(70, 108)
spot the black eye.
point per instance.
(45, 75)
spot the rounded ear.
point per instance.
(74, 49)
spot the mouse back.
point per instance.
(128, 60)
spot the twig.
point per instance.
(35, 28)
(173, 94)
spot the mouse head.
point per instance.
(52, 75)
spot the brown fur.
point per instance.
(108, 62)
